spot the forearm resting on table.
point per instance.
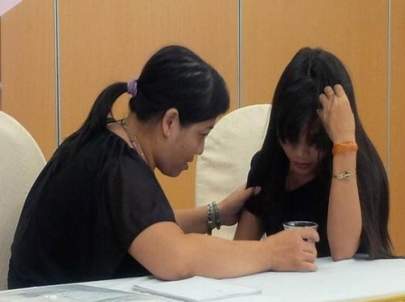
(170, 254)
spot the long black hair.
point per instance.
(294, 106)
(174, 77)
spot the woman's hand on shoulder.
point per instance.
(230, 208)
(337, 115)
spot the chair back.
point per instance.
(21, 160)
(229, 148)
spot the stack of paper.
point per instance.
(193, 289)
(72, 293)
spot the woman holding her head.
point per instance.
(318, 164)
(97, 211)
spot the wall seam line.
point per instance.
(389, 87)
(57, 73)
(239, 54)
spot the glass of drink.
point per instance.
(289, 225)
(298, 224)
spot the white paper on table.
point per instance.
(6, 5)
(72, 293)
(192, 289)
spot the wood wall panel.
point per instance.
(27, 54)
(398, 126)
(103, 41)
(354, 30)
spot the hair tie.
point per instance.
(132, 87)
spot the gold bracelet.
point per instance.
(344, 147)
(344, 175)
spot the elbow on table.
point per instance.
(339, 254)
(177, 269)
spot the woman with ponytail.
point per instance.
(97, 211)
(317, 163)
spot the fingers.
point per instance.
(308, 267)
(309, 256)
(323, 99)
(329, 97)
(339, 90)
(309, 248)
(329, 92)
(255, 190)
(326, 98)
(246, 193)
(307, 263)
(309, 234)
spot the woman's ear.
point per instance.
(170, 122)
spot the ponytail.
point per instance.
(97, 118)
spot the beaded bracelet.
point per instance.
(217, 217)
(214, 219)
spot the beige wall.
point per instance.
(102, 41)
(28, 78)
(397, 125)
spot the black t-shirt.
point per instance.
(303, 203)
(81, 216)
(309, 202)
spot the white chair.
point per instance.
(21, 160)
(229, 148)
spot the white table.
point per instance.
(348, 280)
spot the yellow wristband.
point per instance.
(344, 147)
